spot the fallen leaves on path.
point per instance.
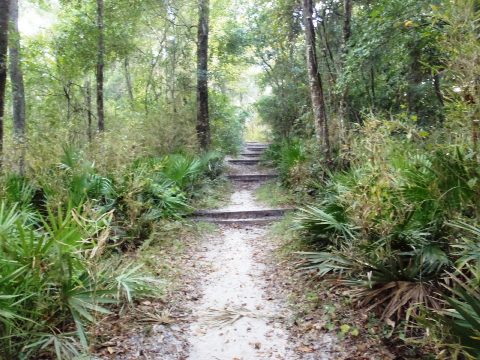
(228, 316)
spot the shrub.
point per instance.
(59, 265)
(53, 283)
(463, 316)
(384, 229)
(286, 156)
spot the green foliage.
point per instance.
(161, 188)
(212, 164)
(381, 214)
(273, 194)
(325, 226)
(51, 278)
(227, 123)
(386, 227)
(59, 274)
(286, 156)
(463, 318)
(394, 54)
(395, 215)
(83, 181)
(462, 315)
(18, 190)
(278, 47)
(182, 170)
(284, 116)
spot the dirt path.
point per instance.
(233, 300)
(235, 317)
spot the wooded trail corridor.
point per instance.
(239, 179)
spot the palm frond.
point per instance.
(322, 224)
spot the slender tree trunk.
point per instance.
(4, 15)
(476, 119)
(174, 78)
(18, 89)
(100, 66)
(347, 34)
(16, 75)
(344, 106)
(438, 93)
(347, 22)
(368, 88)
(316, 88)
(68, 99)
(327, 50)
(438, 89)
(372, 86)
(415, 79)
(330, 96)
(88, 100)
(476, 132)
(203, 123)
(128, 80)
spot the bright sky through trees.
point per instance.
(34, 20)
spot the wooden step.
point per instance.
(251, 155)
(244, 161)
(255, 150)
(240, 217)
(253, 143)
(252, 177)
(257, 146)
(240, 214)
(239, 222)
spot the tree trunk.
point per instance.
(100, 66)
(347, 23)
(18, 89)
(327, 51)
(316, 88)
(174, 78)
(4, 14)
(476, 132)
(438, 89)
(415, 79)
(68, 100)
(372, 86)
(88, 105)
(203, 124)
(476, 119)
(344, 106)
(128, 80)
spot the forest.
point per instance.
(119, 123)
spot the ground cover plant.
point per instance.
(399, 228)
(61, 264)
(388, 199)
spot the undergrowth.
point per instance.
(63, 238)
(398, 228)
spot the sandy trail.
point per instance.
(231, 303)
(235, 317)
